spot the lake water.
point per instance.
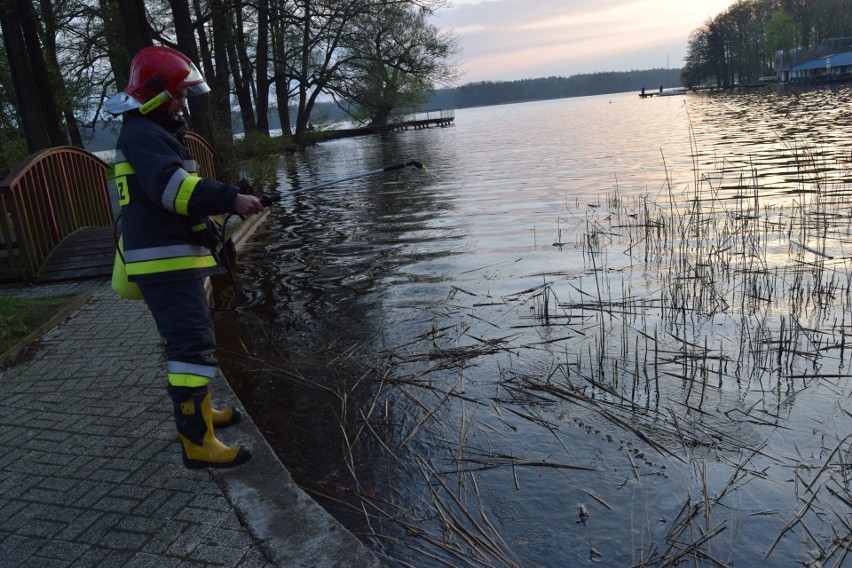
(603, 330)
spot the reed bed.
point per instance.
(676, 359)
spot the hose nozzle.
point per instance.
(416, 164)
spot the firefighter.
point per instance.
(166, 235)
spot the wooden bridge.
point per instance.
(57, 212)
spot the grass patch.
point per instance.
(19, 317)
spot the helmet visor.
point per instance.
(197, 89)
(194, 82)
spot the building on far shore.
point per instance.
(830, 63)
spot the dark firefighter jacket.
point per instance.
(164, 203)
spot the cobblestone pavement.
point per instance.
(90, 469)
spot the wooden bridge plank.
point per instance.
(86, 254)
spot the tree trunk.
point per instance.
(126, 31)
(135, 31)
(262, 67)
(48, 35)
(44, 88)
(220, 95)
(40, 117)
(119, 56)
(31, 119)
(241, 72)
(282, 73)
(199, 106)
(304, 112)
(381, 114)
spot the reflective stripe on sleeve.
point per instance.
(172, 189)
(178, 191)
(123, 169)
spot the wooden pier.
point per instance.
(426, 119)
(416, 121)
(673, 91)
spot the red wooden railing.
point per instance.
(53, 194)
(202, 152)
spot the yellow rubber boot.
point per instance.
(228, 416)
(194, 421)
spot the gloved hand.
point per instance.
(250, 198)
(212, 236)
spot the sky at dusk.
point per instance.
(504, 40)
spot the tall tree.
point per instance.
(135, 29)
(323, 26)
(39, 113)
(219, 76)
(780, 33)
(262, 76)
(398, 58)
(241, 72)
(282, 34)
(52, 24)
(126, 30)
(199, 107)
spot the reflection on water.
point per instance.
(599, 330)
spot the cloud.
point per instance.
(503, 38)
(471, 29)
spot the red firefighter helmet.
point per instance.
(157, 69)
(155, 73)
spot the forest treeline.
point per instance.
(486, 93)
(739, 45)
(61, 59)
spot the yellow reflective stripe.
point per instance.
(178, 191)
(199, 227)
(187, 186)
(187, 380)
(123, 169)
(172, 188)
(170, 265)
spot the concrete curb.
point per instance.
(291, 528)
